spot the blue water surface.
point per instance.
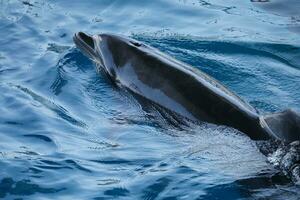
(66, 132)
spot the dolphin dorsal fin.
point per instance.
(284, 125)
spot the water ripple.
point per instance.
(59, 110)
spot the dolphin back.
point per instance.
(284, 125)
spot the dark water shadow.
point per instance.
(153, 190)
(268, 185)
(24, 187)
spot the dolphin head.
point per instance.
(109, 50)
(87, 44)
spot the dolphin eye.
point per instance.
(137, 44)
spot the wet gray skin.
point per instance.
(181, 88)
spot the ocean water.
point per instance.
(67, 133)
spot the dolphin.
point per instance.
(181, 88)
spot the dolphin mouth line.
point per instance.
(81, 44)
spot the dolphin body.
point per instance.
(181, 88)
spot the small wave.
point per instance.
(41, 137)
(60, 164)
(59, 110)
(108, 181)
(57, 48)
(180, 43)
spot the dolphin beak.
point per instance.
(85, 43)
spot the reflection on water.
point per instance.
(67, 132)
